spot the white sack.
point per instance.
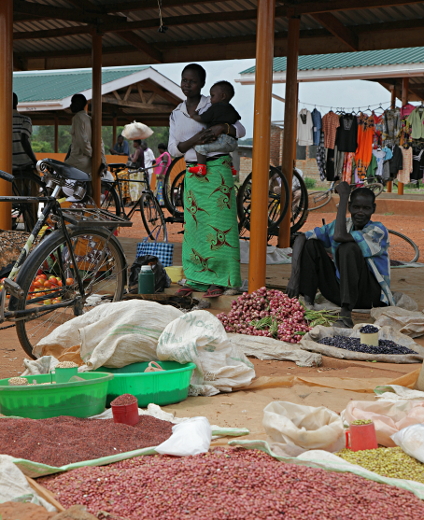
(388, 416)
(397, 393)
(411, 440)
(42, 365)
(274, 254)
(114, 334)
(190, 437)
(261, 347)
(136, 130)
(305, 427)
(407, 322)
(14, 485)
(200, 338)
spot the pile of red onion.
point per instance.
(269, 313)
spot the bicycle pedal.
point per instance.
(13, 288)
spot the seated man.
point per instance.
(121, 147)
(357, 275)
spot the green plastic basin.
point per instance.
(168, 387)
(79, 399)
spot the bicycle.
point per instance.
(147, 204)
(318, 199)
(22, 216)
(70, 269)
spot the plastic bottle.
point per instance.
(146, 280)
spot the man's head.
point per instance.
(144, 145)
(15, 101)
(162, 147)
(222, 91)
(120, 139)
(361, 206)
(78, 103)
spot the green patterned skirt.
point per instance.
(211, 250)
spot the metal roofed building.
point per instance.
(128, 93)
(387, 66)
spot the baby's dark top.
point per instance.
(219, 113)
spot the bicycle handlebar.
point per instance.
(7, 176)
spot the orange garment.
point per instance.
(365, 140)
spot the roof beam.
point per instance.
(142, 46)
(337, 29)
(59, 13)
(343, 5)
(153, 4)
(134, 104)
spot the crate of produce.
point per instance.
(167, 387)
(40, 401)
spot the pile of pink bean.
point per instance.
(229, 484)
(286, 316)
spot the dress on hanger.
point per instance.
(317, 122)
(330, 123)
(391, 126)
(304, 128)
(416, 118)
(363, 153)
(404, 175)
(347, 133)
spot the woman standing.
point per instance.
(211, 252)
(135, 161)
(162, 164)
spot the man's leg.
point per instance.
(318, 272)
(358, 286)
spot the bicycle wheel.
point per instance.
(277, 188)
(177, 193)
(318, 199)
(402, 249)
(101, 264)
(153, 217)
(109, 199)
(176, 169)
(376, 187)
(299, 212)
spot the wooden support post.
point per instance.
(114, 131)
(56, 135)
(290, 118)
(96, 115)
(6, 70)
(261, 143)
(392, 105)
(405, 85)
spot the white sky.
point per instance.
(348, 94)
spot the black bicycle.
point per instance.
(113, 200)
(70, 262)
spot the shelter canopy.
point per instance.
(51, 34)
(128, 93)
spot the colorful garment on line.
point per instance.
(321, 158)
(373, 240)
(349, 158)
(391, 126)
(211, 249)
(330, 122)
(363, 153)
(404, 175)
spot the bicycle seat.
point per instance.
(63, 170)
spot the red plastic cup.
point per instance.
(126, 414)
(361, 437)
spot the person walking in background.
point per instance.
(149, 159)
(81, 150)
(211, 249)
(135, 161)
(121, 147)
(23, 160)
(162, 165)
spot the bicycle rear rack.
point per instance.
(85, 217)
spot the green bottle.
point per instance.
(146, 280)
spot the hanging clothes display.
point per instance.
(391, 126)
(317, 125)
(396, 162)
(347, 133)
(417, 164)
(330, 123)
(404, 175)
(347, 167)
(321, 158)
(416, 119)
(364, 151)
(304, 128)
(378, 131)
(406, 110)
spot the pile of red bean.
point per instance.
(124, 400)
(62, 440)
(230, 484)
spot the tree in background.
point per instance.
(43, 138)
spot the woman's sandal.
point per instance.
(343, 322)
(214, 292)
(184, 292)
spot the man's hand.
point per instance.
(293, 287)
(343, 189)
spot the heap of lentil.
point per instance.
(63, 440)
(387, 462)
(232, 484)
(385, 346)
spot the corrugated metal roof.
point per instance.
(351, 59)
(56, 85)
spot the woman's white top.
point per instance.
(182, 127)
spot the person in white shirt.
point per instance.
(211, 251)
(149, 158)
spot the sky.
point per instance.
(347, 94)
